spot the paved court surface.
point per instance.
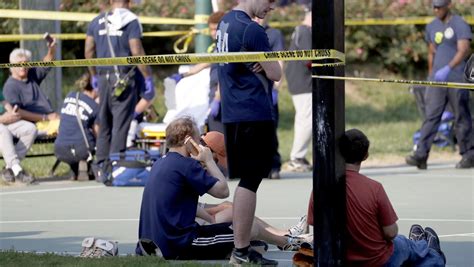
(56, 216)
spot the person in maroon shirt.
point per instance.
(372, 231)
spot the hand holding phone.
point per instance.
(191, 145)
(48, 38)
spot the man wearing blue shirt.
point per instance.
(170, 199)
(449, 37)
(247, 114)
(116, 33)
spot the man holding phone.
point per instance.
(170, 199)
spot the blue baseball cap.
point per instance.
(441, 3)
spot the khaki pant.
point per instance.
(12, 153)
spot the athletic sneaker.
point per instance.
(299, 165)
(300, 228)
(87, 247)
(24, 177)
(8, 176)
(416, 233)
(251, 257)
(295, 242)
(104, 248)
(433, 242)
(148, 247)
(259, 245)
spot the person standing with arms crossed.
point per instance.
(119, 37)
(246, 104)
(449, 37)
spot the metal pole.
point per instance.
(38, 48)
(203, 10)
(59, 72)
(328, 126)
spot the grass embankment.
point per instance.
(9, 258)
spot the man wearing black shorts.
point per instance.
(246, 103)
(170, 199)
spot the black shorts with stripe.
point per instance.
(213, 242)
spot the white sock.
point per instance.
(16, 169)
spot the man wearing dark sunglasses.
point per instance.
(448, 37)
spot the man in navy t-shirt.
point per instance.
(247, 116)
(170, 199)
(119, 37)
(448, 37)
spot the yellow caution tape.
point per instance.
(79, 16)
(186, 40)
(77, 36)
(397, 21)
(469, 86)
(174, 59)
(199, 19)
(374, 22)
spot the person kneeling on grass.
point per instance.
(170, 202)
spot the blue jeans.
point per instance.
(413, 253)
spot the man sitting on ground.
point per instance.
(170, 202)
(372, 231)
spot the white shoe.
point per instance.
(87, 247)
(98, 248)
(300, 228)
(295, 242)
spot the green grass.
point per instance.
(10, 258)
(387, 113)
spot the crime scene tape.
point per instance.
(374, 22)
(173, 59)
(87, 17)
(80, 16)
(468, 86)
(396, 21)
(78, 36)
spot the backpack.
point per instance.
(130, 168)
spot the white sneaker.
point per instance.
(87, 247)
(299, 165)
(295, 242)
(97, 248)
(300, 228)
(104, 248)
